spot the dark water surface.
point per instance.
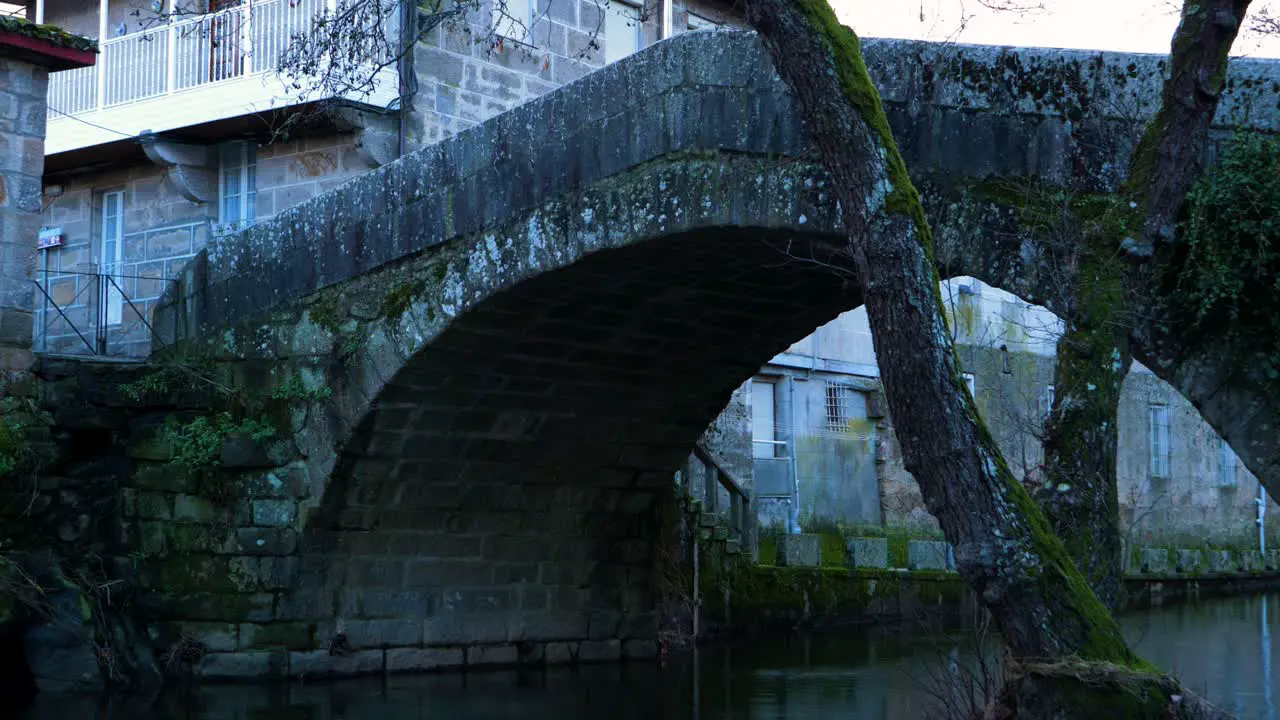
(1220, 648)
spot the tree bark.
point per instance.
(1081, 440)
(1081, 435)
(1004, 546)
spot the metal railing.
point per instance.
(187, 53)
(99, 317)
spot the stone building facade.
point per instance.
(129, 218)
(1178, 482)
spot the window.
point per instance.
(1159, 431)
(112, 255)
(515, 20)
(1227, 462)
(971, 383)
(622, 30)
(238, 184)
(763, 419)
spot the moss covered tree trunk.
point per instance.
(1079, 491)
(1005, 547)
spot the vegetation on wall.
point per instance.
(1226, 268)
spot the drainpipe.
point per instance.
(795, 465)
(1261, 502)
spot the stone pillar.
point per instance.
(28, 53)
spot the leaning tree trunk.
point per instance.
(1079, 492)
(1005, 548)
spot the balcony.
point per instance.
(186, 72)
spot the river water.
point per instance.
(1220, 648)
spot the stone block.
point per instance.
(465, 628)
(492, 655)
(289, 635)
(155, 506)
(1251, 561)
(390, 632)
(929, 555)
(637, 649)
(799, 550)
(266, 541)
(560, 653)
(215, 637)
(1222, 561)
(242, 665)
(868, 552)
(1273, 559)
(274, 513)
(193, 508)
(1189, 561)
(319, 663)
(423, 659)
(1153, 560)
(600, 650)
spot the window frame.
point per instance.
(112, 295)
(247, 166)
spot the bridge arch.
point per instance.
(499, 439)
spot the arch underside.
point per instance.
(502, 485)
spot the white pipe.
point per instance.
(39, 12)
(795, 462)
(667, 20)
(1262, 517)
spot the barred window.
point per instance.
(1158, 424)
(837, 407)
(1227, 462)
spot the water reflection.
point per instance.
(1220, 648)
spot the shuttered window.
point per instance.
(622, 31)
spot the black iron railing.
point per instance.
(93, 318)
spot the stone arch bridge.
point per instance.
(525, 328)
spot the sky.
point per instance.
(1121, 25)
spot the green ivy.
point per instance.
(197, 445)
(295, 388)
(1228, 263)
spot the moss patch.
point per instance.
(47, 33)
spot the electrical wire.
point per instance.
(91, 124)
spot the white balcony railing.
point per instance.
(229, 44)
